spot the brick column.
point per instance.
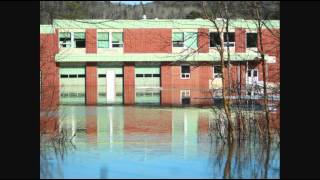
(240, 38)
(129, 84)
(166, 80)
(91, 41)
(50, 92)
(91, 84)
(203, 40)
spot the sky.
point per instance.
(131, 2)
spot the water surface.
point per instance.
(149, 142)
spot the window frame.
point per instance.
(217, 75)
(185, 91)
(74, 40)
(61, 43)
(173, 42)
(184, 44)
(184, 74)
(109, 46)
(247, 40)
(233, 43)
(120, 44)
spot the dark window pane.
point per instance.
(249, 73)
(185, 69)
(81, 75)
(148, 75)
(119, 75)
(80, 43)
(117, 45)
(186, 100)
(214, 39)
(177, 43)
(217, 69)
(156, 75)
(139, 75)
(63, 76)
(72, 76)
(252, 40)
(230, 36)
(255, 73)
(102, 75)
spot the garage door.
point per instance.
(72, 85)
(114, 97)
(147, 84)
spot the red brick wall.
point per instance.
(50, 71)
(198, 84)
(91, 41)
(203, 40)
(240, 38)
(155, 40)
(91, 84)
(271, 46)
(166, 83)
(129, 84)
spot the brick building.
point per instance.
(167, 62)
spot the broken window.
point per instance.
(178, 39)
(80, 40)
(103, 40)
(252, 40)
(65, 39)
(185, 72)
(117, 39)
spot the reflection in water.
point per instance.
(141, 142)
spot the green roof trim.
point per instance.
(131, 57)
(152, 23)
(46, 29)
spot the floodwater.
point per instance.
(147, 142)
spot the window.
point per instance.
(117, 39)
(64, 76)
(148, 75)
(156, 75)
(102, 75)
(217, 71)
(252, 40)
(185, 39)
(177, 39)
(185, 72)
(139, 75)
(81, 75)
(72, 75)
(65, 39)
(119, 75)
(215, 39)
(231, 38)
(79, 40)
(103, 40)
(191, 40)
(185, 97)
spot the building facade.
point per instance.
(167, 62)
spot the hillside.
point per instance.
(157, 9)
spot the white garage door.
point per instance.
(72, 85)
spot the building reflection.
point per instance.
(174, 130)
